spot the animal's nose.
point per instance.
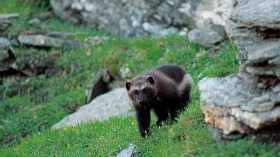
(141, 102)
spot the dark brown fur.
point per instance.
(164, 89)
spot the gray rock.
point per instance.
(6, 55)
(43, 15)
(219, 29)
(7, 58)
(9, 16)
(158, 29)
(114, 103)
(219, 136)
(34, 22)
(258, 54)
(45, 41)
(248, 102)
(129, 151)
(97, 86)
(205, 37)
(259, 13)
(217, 11)
(125, 72)
(140, 18)
(4, 43)
(257, 36)
(240, 103)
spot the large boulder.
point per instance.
(240, 103)
(248, 102)
(254, 28)
(114, 103)
(143, 17)
(257, 13)
(205, 37)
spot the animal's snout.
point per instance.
(140, 102)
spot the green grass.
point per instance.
(24, 7)
(41, 101)
(188, 137)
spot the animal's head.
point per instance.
(141, 90)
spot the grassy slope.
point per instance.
(47, 100)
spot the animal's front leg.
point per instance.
(143, 119)
(174, 111)
(162, 115)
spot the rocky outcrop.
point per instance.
(239, 103)
(27, 63)
(16, 62)
(254, 28)
(140, 18)
(248, 102)
(114, 103)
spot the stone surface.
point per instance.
(45, 41)
(140, 18)
(217, 11)
(4, 43)
(248, 102)
(205, 37)
(259, 13)
(258, 49)
(6, 55)
(254, 28)
(43, 15)
(220, 29)
(125, 72)
(114, 103)
(7, 58)
(34, 22)
(240, 103)
(9, 16)
(129, 151)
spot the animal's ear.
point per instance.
(128, 85)
(150, 79)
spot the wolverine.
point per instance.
(165, 90)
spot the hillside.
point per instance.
(30, 105)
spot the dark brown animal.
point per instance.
(165, 90)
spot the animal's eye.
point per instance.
(144, 90)
(136, 92)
